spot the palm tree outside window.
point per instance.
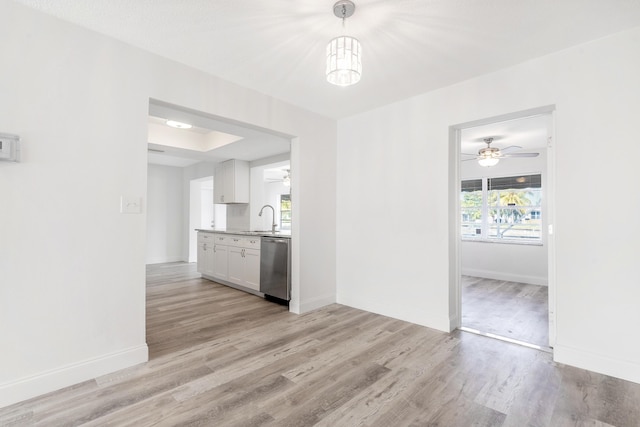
(504, 208)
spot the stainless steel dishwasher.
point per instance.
(275, 275)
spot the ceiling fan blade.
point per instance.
(523, 155)
(509, 149)
(466, 160)
(467, 154)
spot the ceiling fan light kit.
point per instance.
(344, 53)
(488, 161)
(490, 156)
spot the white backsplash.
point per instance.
(238, 217)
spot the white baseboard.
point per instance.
(496, 275)
(55, 379)
(315, 303)
(417, 316)
(454, 322)
(163, 260)
(622, 369)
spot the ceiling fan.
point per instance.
(490, 156)
(286, 178)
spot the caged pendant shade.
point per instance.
(344, 63)
(344, 53)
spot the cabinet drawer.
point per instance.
(204, 237)
(237, 241)
(220, 239)
(252, 242)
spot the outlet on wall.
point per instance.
(130, 204)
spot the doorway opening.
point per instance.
(181, 172)
(202, 212)
(503, 284)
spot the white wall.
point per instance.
(393, 198)
(165, 223)
(72, 300)
(508, 261)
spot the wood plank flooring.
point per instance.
(221, 357)
(514, 310)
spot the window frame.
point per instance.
(285, 197)
(485, 207)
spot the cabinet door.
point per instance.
(218, 184)
(209, 260)
(236, 265)
(231, 182)
(227, 181)
(205, 258)
(239, 176)
(202, 252)
(252, 269)
(220, 257)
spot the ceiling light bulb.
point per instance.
(178, 125)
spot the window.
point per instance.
(506, 208)
(471, 207)
(285, 212)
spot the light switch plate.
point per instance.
(9, 147)
(130, 205)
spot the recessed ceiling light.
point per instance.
(178, 125)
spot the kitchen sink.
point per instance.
(258, 232)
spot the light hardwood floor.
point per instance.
(221, 357)
(514, 310)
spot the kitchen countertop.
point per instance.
(260, 233)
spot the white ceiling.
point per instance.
(528, 133)
(210, 139)
(277, 47)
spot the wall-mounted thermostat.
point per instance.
(9, 147)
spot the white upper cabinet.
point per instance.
(231, 182)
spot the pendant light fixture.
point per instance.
(344, 53)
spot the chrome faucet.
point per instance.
(273, 226)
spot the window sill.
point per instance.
(504, 242)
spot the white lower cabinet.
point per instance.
(236, 265)
(244, 261)
(220, 261)
(231, 258)
(252, 268)
(205, 256)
